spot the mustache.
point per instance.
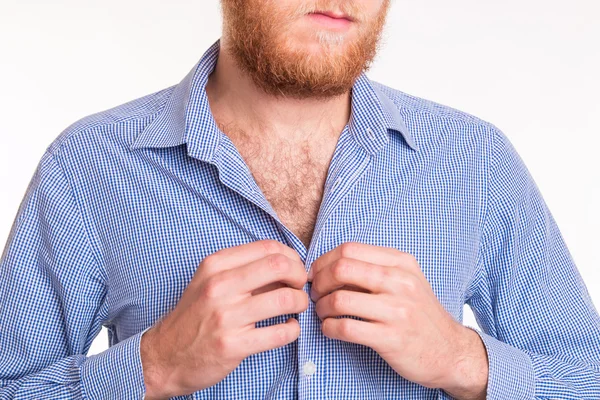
(348, 8)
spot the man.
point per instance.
(195, 223)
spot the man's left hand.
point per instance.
(402, 319)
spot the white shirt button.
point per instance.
(309, 368)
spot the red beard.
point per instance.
(258, 41)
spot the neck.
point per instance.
(235, 100)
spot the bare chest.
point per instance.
(293, 184)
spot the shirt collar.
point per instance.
(186, 116)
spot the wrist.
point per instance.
(155, 380)
(468, 376)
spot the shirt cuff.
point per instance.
(116, 373)
(510, 370)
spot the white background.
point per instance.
(528, 66)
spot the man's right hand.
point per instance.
(212, 328)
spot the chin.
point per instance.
(318, 41)
(331, 39)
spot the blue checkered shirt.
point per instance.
(126, 203)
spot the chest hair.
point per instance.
(291, 176)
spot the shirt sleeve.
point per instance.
(539, 325)
(52, 293)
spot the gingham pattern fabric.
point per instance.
(126, 203)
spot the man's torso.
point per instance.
(154, 213)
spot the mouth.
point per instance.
(334, 15)
(331, 20)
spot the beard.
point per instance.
(262, 47)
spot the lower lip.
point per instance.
(329, 22)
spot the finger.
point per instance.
(257, 274)
(236, 256)
(258, 340)
(269, 287)
(354, 288)
(371, 307)
(347, 271)
(267, 305)
(351, 330)
(380, 255)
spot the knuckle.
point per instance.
(278, 262)
(220, 318)
(348, 249)
(209, 262)
(208, 266)
(387, 276)
(341, 269)
(225, 347)
(345, 327)
(410, 257)
(246, 342)
(402, 313)
(408, 260)
(270, 246)
(410, 284)
(388, 273)
(281, 335)
(285, 299)
(339, 300)
(211, 289)
(400, 254)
